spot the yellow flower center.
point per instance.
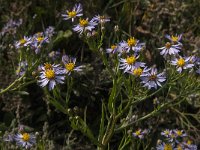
(168, 45)
(48, 66)
(83, 22)
(168, 147)
(166, 132)
(113, 47)
(130, 60)
(50, 74)
(22, 41)
(189, 142)
(70, 66)
(174, 38)
(152, 77)
(179, 147)
(179, 133)
(181, 62)
(137, 71)
(40, 39)
(132, 41)
(138, 132)
(72, 14)
(26, 137)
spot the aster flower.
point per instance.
(101, 19)
(51, 74)
(182, 63)
(140, 134)
(70, 64)
(152, 79)
(174, 38)
(165, 146)
(166, 133)
(170, 49)
(129, 63)
(138, 71)
(132, 44)
(84, 25)
(179, 133)
(49, 32)
(24, 42)
(189, 146)
(112, 49)
(25, 140)
(76, 12)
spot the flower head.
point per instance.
(70, 64)
(112, 49)
(152, 79)
(170, 49)
(24, 42)
(84, 25)
(101, 19)
(51, 74)
(140, 134)
(165, 146)
(174, 38)
(182, 63)
(25, 140)
(76, 12)
(130, 63)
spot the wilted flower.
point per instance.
(70, 64)
(49, 31)
(182, 63)
(76, 12)
(170, 49)
(101, 19)
(51, 74)
(152, 79)
(84, 25)
(25, 140)
(22, 67)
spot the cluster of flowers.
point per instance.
(175, 140)
(140, 133)
(52, 74)
(25, 140)
(11, 27)
(129, 53)
(36, 41)
(171, 52)
(84, 25)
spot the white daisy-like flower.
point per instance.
(100, 19)
(51, 74)
(84, 25)
(24, 42)
(189, 146)
(132, 44)
(152, 79)
(182, 63)
(130, 63)
(70, 64)
(170, 49)
(174, 38)
(112, 49)
(25, 140)
(76, 12)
